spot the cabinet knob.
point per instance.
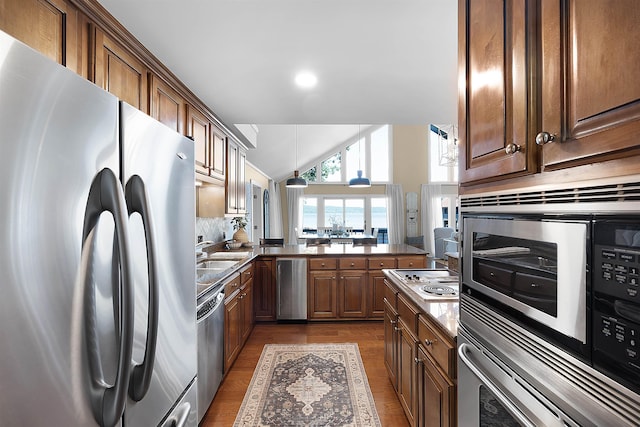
(428, 342)
(323, 264)
(381, 264)
(512, 148)
(418, 360)
(396, 328)
(410, 264)
(352, 264)
(544, 137)
(393, 322)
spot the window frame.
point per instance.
(366, 136)
(320, 218)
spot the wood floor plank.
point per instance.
(368, 335)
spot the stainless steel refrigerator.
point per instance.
(97, 275)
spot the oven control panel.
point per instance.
(617, 272)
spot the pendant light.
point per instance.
(359, 181)
(296, 181)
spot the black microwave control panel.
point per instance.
(617, 272)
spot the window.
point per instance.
(331, 168)
(370, 152)
(357, 212)
(438, 172)
(309, 213)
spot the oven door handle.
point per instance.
(464, 350)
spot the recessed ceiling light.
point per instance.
(306, 79)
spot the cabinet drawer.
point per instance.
(390, 294)
(322, 263)
(412, 262)
(246, 274)
(379, 263)
(352, 263)
(232, 284)
(438, 346)
(408, 313)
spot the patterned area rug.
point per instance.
(309, 385)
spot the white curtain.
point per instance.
(275, 211)
(395, 214)
(294, 196)
(431, 206)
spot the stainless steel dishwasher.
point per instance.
(210, 318)
(291, 289)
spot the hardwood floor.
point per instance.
(368, 335)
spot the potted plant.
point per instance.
(239, 223)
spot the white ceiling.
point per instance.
(377, 61)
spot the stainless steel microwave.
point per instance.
(534, 267)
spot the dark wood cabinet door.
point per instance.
(199, 128)
(407, 371)
(589, 81)
(436, 395)
(496, 60)
(48, 26)
(322, 299)
(232, 320)
(166, 105)
(264, 299)
(117, 71)
(218, 153)
(391, 344)
(246, 295)
(376, 293)
(352, 294)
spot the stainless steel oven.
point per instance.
(535, 268)
(550, 306)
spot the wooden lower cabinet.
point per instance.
(238, 316)
(420, 362)
(407, 373)
(264, 300)
(352, 294)
(322, 295)
(391, 342)
(436, 393)
(376, 294)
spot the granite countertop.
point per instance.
(207, 278)
(443, 313)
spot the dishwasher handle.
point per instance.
(210, 306)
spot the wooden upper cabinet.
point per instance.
(48, 26)
(117, 71)
(495, 60)
(589, 84)
(199, 128)
(218, 153)
(166, 105)
(235, 179)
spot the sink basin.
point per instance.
(216, 264)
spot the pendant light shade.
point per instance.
(359, 181)
(296, 181)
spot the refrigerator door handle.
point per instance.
(107, 402)
(137, 201)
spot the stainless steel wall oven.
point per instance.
(550, 308)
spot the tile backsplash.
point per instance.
(213, 229)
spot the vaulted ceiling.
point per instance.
(376, 61)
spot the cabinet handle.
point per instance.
(396, 328)
(333, 277)
(418, 360)
(410, 264)
(544, 138)
(323, 264)
(352, 264)
(512, 148)
(381, 264)
(429, 342)
(393, 322)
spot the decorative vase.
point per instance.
(241, 235)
